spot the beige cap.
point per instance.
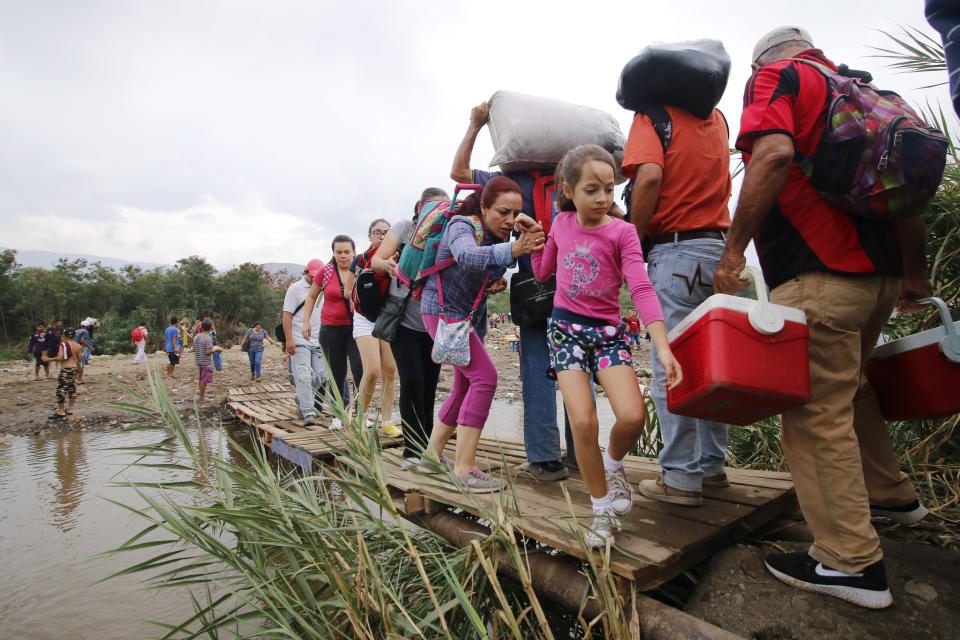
(779, 36)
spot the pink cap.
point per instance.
(314, 267)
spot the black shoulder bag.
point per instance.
(531, 301)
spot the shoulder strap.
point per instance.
(343, 295)
(662, 123)
(476, 303)
(299, 306)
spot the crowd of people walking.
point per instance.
(678, 247)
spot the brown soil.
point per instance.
(25, 404)
(738, 594)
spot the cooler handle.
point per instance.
(950, 343)
(764, 317)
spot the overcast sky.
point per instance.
(255, 131)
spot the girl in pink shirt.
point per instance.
(592, 254)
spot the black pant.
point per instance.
(418, 375)
(338, 344)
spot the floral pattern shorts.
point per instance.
(579, 347)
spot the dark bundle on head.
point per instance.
(430, 193)
(491, 191)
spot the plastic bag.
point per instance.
(530, 132)
(690, 75)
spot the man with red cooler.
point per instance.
(847, 273)
(680, 165)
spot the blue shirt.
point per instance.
(463, 280)
(170, 336)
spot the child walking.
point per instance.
(592, 254)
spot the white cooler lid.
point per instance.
(909, 343)
(731, 303)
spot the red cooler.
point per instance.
(743, 360)
(919, 376)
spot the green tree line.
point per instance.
(76, 289)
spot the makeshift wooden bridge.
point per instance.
(659, 541)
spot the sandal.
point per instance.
(57, 416)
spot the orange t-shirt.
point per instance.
(696, 171)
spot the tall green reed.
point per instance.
(272, 552)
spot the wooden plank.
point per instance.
(296, 455)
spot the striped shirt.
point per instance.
(202, 342)
(463, 280)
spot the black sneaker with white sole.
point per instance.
(868, 588)
(910, 513)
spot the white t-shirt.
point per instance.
(297, 293)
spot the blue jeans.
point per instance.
(217, 360)
(541, 439)
(682, 275)
(309, 374)
(255, 358)
(85, 358)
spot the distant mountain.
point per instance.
(48, 260)
(291, 268)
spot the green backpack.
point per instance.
(418, 260)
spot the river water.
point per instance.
(55, 518)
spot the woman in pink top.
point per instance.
(592, 254)
(334, 282)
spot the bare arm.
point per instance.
(764, 178)
(308, 308)
(915, 284)
(646, 192)
(291, 345)
(460, 171)
(385, 259)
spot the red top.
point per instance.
(633, 324)
(334, 309)
(696, 170)
(803, 232)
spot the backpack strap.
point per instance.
(478, 232)
(342, 295)
(663, 127)
(662, 124)
(544, 189)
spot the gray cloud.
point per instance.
(279, 125)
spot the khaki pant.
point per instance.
(837, 445)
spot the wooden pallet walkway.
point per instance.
(659, 541)
(271, 410)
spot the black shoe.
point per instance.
(910, 513)
(57, 416)
(547, 471)
(867, 588)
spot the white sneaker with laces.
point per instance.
(409, 464)
(605, 522)
(620, 491)
(335, 425)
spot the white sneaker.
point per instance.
(605, 521)
(620, 491)
(409, 464)
(335, 425)
(369, 422)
